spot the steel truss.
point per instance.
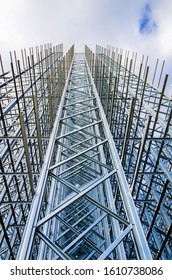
(29, 101)
(140, 119)
(85, 164)
(81, 220)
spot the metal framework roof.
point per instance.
(85, 158)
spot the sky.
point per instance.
(139, 26)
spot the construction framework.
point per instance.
(85, 158)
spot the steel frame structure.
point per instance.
(140, 118)
(85, 159)
(29, 100)
(81, 221)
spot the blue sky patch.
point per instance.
(147, 25)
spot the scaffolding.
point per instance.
(85, 158)
(29, 101)
(140, 119)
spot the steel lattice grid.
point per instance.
(80, 220)
(29, 94)
(139, 116)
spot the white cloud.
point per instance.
(27, 23)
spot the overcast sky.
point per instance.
(141, 26)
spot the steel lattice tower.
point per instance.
(85, 163)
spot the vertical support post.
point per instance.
(127, 129)
(142, 147)
(50, 101)
(26, 153)
(38, 127)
